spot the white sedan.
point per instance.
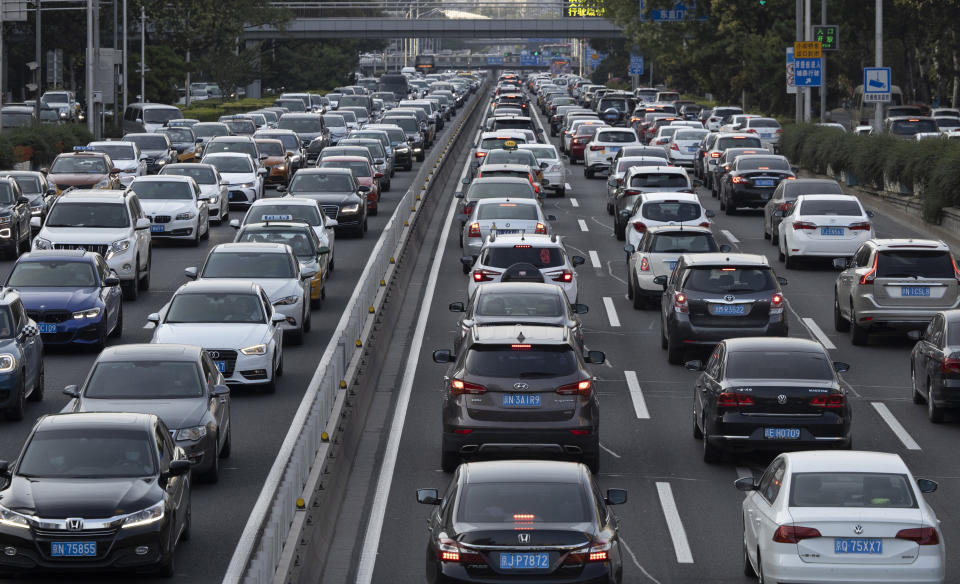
(175, 205)
(554, 170)
(827, 226)
(825, 517)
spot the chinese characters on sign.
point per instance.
(828, 35)
(807, 72)
(576, 8)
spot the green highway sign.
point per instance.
(827, 35)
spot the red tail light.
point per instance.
(751, 131)
(680, 302)
(798, 225)
(597, 552)
(705, 224)
(785, 207)
(729, 399)
(596, 148)
(620, 181)
(484, 275)
(474, 230)
(468, 208)
(644, 265)
(632, 192)
(581, 387)
(864, 226)
(640, 226)
(541, 228)
(950, 365)
(956, 270)
(779, 130)
(480, 154)
(674, 147)
(776, 302)
(739, 180)
(459, 387)
(921, 535)
(715, 155)
(563, 276)
(870, 276)
(793, 534)
(832, 401)
(449, 550)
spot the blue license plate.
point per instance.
(73, 549)
(46, 328)
(691, 148)
(521, 400)
(906, 291)
(672, 264)
(763, 182)
(729, 309)
(156, 229)
(533, 561)
(854, 545)
(221, 365)
(781, 433)
(613, 148)
(831, 231)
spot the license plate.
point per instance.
(906, 291)
(691, 148)
(521, 400)
(46, 328)
(781, 433)
(853, 545)
(729, 309)
(763, 182)
(221, 366)
(73, 549)
(672, 264)
(831, 231)
(156, 229)
(612, 149)
(277, 218)
(766, 135)
(507, 231)
(534, 561)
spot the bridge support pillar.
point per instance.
(254, 88)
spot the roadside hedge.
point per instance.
(40, 146)
(929, 167)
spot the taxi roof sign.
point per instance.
(510, 145)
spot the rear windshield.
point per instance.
(763, 164)
(520, 503)
(541, 257)
(489, 190)
(500, 304)
(911, 127)
(616, 103)
(761, 123)
(851, 489)
(306, 125)
(830, 207)
(690, 135)
(796, 188)
(512, 124)
(671, 211)
(530, 363)
(660, 181)
(724, 280)
(778, 365)
(358, 168)
(510, 157)
(923, 264)
(251, 265)
(679, 242)
(508, 211)
(617, 137)
(588, 129)
(738, 142)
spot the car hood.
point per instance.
(70, 179)
(175, 413)
(235, 178)
(126, 163)
(92, 235)
(154, 153)
(87, 498)
(209, 190)
(331, 198)
(170, 207)
(212, 336)
(271, 160)
(43, 298)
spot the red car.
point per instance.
(579, 141)
(364, 173)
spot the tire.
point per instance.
(917, 396)
(587, 173)
(225, 449)
(206, 234)
(101, 340)
(840, 324)
(145, 278)
(307, 320)
(376, 210)
(117, 331)
(195, 242)
(663, 338)
(630, 292)
(674, 353)
(766, 234)
(185, 534)
(562, 192)
(748, 570)
(780, 255)
(639, 301)
(858, 334)
(279, 367)
(297, 336)
(213, 473)
(15, 413)
(774, 238)
(168, 569)
(592, 461)
(620, 231)
(934, 412)
(711, 453)
(759, 569)
(37, 393)
(449, 461)
(789, 261)
(723, 206)
(697, 433)
(609, 209)
(316, 303)
(133, 288)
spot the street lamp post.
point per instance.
(89, 66)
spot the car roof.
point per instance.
(57, 254)
(505, 166)
(501, 334)
(514, 201)
(96, 420)
(275, 226)
(150, 352)
(93, 196)
(724, 259)
(111, 143)
(228, 154)
(224, 285)
(658, 197)
(539, 239)
(904, 243)
(250, 246)
(325, 170)
(345, 159)
(845, 461)
(500, 179)
(162, 178)
(188, 165)
(828, 197)
(288, 200)
(232, 138)
(665, 168)
(775, 344)
(657, 229)
(498, 471)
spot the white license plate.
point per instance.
(781, 433)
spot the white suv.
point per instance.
(653, 209)
(599, 153)
(111, 223)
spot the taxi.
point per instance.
(83, 169)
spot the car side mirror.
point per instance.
(114, 171)
(456, 307)
(795, 169)
(154, 317)
(277, 318)
(612, 182)
(629, 249)
(745, 484)
(331, 223)
(281, 189)
(35, 222)
(780, 213)
(308, 273)
(443, 356)
(624, 214)
(616, 497)
(379, 161)
(710, 213)
(915, 335)
(143, 223)
(660, 281)
(178, 468)
(190, 272)
(23, 201)
(110, 281)
(467, 261)
(596, 357)
(220, 390)
(841, 264)
(235, 223)
(51, 192)
(323, 250)
(697, 182)
(925, 485)
(841, 367)
(782, 281)
(72, 391)
(364, 189)
(577, 260)
(458, 195)
(871, 214)
(224, 183)
(428, 497)
(695, 365)
(262, 171)
(724, 247)
(474, 164)
(580, 308)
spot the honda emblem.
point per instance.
(523, 537)
(74, 524)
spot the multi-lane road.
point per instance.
(683, 520)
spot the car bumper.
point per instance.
(183, 229)
(200, 452)
(592, 573)
(523, 443)
(740, 431)
(213, 209)
(708, 336)
(123, 264)
(250, 369)
(83, 331)
(9, 384)
(824, 247)
(293, 314)
(755, 198)
(682, 159)
(787, 567)
(555, 180)
(242, 195)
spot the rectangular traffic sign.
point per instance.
(807, 50)
(791, 76)
(828, 35)
(876, 80)
(808, 72)
(636, 64)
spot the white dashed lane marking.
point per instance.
(611, 311)
(730, 236)
(574, 203)
(594, 259)
(583, 225)
(636, 395)
(817, 332)
(674, 524)
(908, 442)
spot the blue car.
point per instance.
(72, 295)
(21, 356)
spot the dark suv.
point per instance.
(710, 297)
(519, 390)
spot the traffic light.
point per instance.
(507, 54)
(536, 53)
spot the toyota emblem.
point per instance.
(521, 386)
(74, 524)
(781, 399)
(523, 537)
(729, 297)
(214, 354)
(858, 529)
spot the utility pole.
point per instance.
(89, 66)
(878, 58)
(823, 67)
(807, 91)
(38, 57)
(124, 66)
(143, 54)
(799, 94)
(2, 68)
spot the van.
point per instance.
(148, 117)
(863, 111)
(397, 84)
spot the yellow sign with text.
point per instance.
(807, 50)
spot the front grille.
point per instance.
(162, 218)
(94, 247)
(82, 187)
(330, 210)
(50, 316)
(86, 533)
(229, 358)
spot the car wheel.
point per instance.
(638, 299)
(225, 449)
(674, 352)
(774, 237)
(196, 237)
(723, 205)
(374, 211)
(562, 192)
(759, 569)
(15, 412)
(316, 303)
(213, 473)
(789, 261)
(465, 268)
(206, 232)
(592, 461)
(225, 214)
(840, 324)
(917, 396)
(37, 393)
(748, 570)
(609, 208)
(132, 290)
(587, 172)
(307, 321)
(297, 335)
(620, 230)
(145, 278)
(101, 338)
(187, 524)
(168, 568)
(663, 336)
(934, 412)
(630, 292)
(858, 334)
(449, 461)
(766, 234)
(780, 255)
(711, 453)
(728, 209)
(697, 433)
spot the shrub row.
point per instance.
(930, 167)
(40, 146)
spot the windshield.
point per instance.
(921, 264)
(529, 363)
(359, 168)
(116, 151)
(234, 164)
(540, 257)
(830, 207)
(55, 98)
(762, 123)
(29, 185)
(653, 180)
(510, 157)
(203, 176)
(850, 489)
(241, 126)
(671, 211)
(299, 241)
(144, 380)
(159, 115)
(93, 453)
(6, 193)
(78, 165)
(680, 242)
(508, 503)
(723, 280)
(783, 365)
(17, 119)
(304, 182)
(103, 215)
(508, 211)
(359, 112)
(737, 142)
(334, 121)
(271, 148)
(300, 213)
(216, 307)
(210, 130)
(152, 190)
(179, 134)
(911, 127)
(301, 125)
(519, 305)
(149, 141)
(248, 264)
(487, 190)
(52, 274)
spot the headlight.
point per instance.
(151, 514)
(350, 209)
(248, 185)
(213, 199)
(7, 362)
(12, 518)
(5, 220)
(186, 216)
(280, 167)
(255, 350)
(89, 313)
(36, 210)
(161, 162)
(287, 301)
(120, 245)
(192, 434)
(41, 243)
(104, 184)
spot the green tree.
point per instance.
(165, 73)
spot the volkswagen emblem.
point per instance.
(521, 386)
(523, 537)
(729, 297)
(214, 354)
(781, 399)
(74, 524)
(506, 225)
(858, 529)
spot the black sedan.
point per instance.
(935, 364)
(516, 520)
(751, 181)
(337, 192)
(769, 393)
(98, 491)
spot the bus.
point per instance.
(863, 110)
(424, 63)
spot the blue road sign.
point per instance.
(529, 60)
(876, 80)
(636, 64)
(494, 60)
(808, 72)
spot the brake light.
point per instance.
(541, 228)
(632, 192)
(563, 276)
(729, 399)
(480, 154)
(776, 302)
(468, 207)
(474, 230)
(581, 387)
(871, 275)
(675, 147)
(705, 224)
(751, 131)
(779, 130)
(596, 148)
(950, 365)
(484, 275)
(921, 535)
(449, 550)
(521, 346)
(793, 534)
(739, 180)
(680, 302)
(785, 207)
(644, 265)
(863, 226)
(956, 270)
(828, 401)
(798, 225)
(459, 387)
(640, 226)
(714, 155)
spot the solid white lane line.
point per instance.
(611, 311)
(636, 395)
(816, 331)
(614, 454)
(636, 562)
(730, 236)
(680, 544)
(574, 202)
(594, 259)
(908, 442)
(583, 225)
